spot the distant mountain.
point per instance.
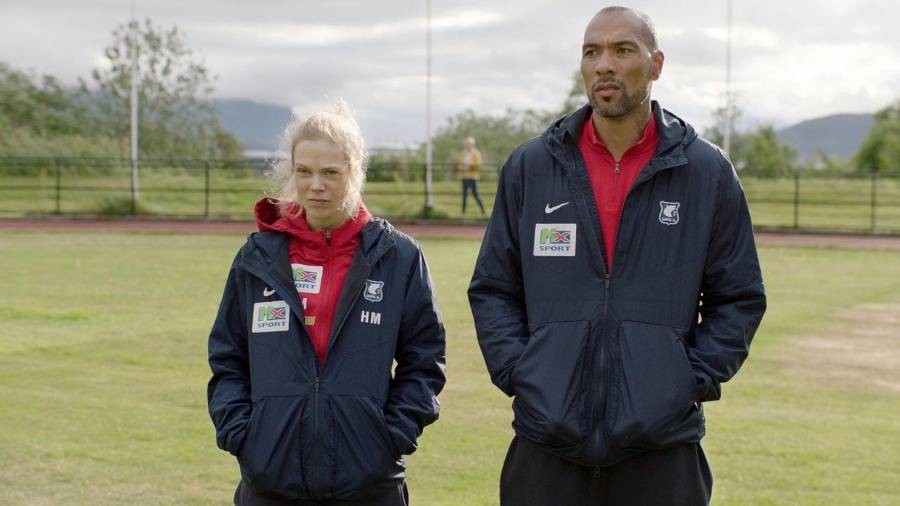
(258, 126)
(837, 135)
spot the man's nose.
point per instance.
(604, 63)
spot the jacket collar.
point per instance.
(674, 135)
(265, 249)
(265, 255)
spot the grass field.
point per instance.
(103, 373)
(829, 203)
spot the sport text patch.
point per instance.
(274, 316)
(554, 239)
(307, 278)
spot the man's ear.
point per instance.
(658, 59)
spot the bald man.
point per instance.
(617, 288)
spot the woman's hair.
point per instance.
(339, 127)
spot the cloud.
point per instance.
(317, 35)
(792, 60)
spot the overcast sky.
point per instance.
(792, 59)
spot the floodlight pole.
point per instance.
(429, 199)
(727, 134)
(135, 183)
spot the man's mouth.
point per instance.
(606, 89)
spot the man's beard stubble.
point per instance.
(616, 110)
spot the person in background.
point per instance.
(469, 168)
(318, 306)
(617, 288)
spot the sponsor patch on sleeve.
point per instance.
(307, 278)
(271, 316)
(554, 239)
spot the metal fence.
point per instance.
(228, 188)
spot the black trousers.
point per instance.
(470, 184)
(677, 476)
(244, 496)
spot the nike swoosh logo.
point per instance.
(549, 209)
(267, 292)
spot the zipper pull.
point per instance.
(317, 384)
(328, 233)
(607, 282)
(618, 167)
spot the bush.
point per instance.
(120, 206)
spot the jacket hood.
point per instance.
(674, 132)
(292, 221)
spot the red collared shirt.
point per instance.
(611, 180)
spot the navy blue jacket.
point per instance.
(306, 430)
(606, 365)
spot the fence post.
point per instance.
(206, 190)
(796, 199)
(58, 164)
(873, 200)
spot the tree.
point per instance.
(496, 136)
(577, 96)
(41, 117)
(830, 163)
(765, 156)
(176, 117)
(41, 105)
(880, 151)
(757, 151)
(716, 135)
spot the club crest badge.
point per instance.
(374, 291)
(668, 212)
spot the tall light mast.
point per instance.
(135, 184)
(429, 199)
(728, 105)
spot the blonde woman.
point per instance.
(469, 167)
(318, 306)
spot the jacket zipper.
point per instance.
(603, 390)
(314, 487)
(319, 365)
(606, 358)
(316, 435)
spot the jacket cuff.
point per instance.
(707, 388)
(504, 381)
(402, 444)
(232, 443)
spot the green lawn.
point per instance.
(103, 374)
(825, 202)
